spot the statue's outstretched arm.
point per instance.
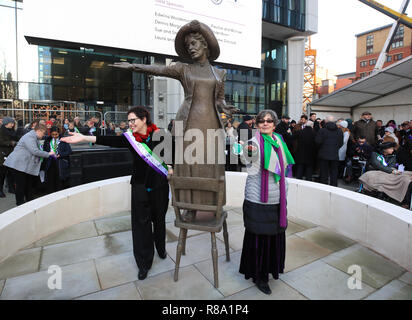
(174, 71)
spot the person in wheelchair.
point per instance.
(358, 156)
(383, 175)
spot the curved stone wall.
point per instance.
(378, 225)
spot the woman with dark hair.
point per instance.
(264, 207)
(391, 123)
(150, 188)
(57, 169)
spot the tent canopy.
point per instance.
(391, 86)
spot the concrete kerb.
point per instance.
(376, 224)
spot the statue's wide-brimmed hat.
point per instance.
(205, 31)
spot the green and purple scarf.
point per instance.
(275, 158)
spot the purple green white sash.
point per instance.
(146, 154)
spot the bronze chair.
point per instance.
(209, 218)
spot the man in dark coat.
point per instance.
(366, 127)
(316, 126)
(283, 129)
(329, 140)
(305, 152)
(8, 140)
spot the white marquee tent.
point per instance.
(387, 94)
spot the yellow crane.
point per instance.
(401, 17)
(309, 83)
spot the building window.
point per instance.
(369, 44)
(388, 58)
(372, 62)
(398, 38)
(363, 64)
(362, 74)
(290, 13)
(397, 57)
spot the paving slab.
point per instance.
(280, 291)
(120, 269)
(113, 224)
(198, 248)
(119, 242)
(303, 223)
(320, 281)
(77, 279)
(294, 228)
(124, 292)
(191, 285)
(170, 215)
(174, 231)
(376, 270)
(8, 202)
(300, 252)
(116, 270)
(234, 218)
(79, 231)
(406, 277)
(86, 249)
(230, 280)
(113, 215)
(26, 261)
(395, 290)
(238, 210)
(326, 238)
(236, 234)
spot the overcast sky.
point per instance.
(339, 22)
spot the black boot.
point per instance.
(162, 254)
(12, 189)
(2, 195)
(142, 274)
(264, 287)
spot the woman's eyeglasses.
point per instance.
(263, 121)
(132, 121)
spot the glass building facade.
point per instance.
(289, 13)
(85, 77)
(256, 90)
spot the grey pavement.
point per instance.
(97, 263)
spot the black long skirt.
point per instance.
(263, 255)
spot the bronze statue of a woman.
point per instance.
(204, 92)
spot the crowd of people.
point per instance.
(34, 161)
(324, 150)
(329, 149)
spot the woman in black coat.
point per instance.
(150, 189)
(57, 169)
(306, 150)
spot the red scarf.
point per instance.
(140, 137)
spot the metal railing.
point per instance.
(40, 110)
